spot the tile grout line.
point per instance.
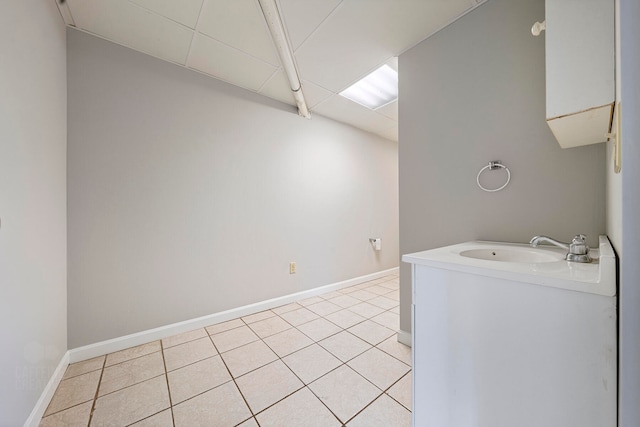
(132, 358)
(147, 417)
(78, 375)
(65, 409)
(304, 385)
(384, 392)
(342, 329)
(357, 373)
(280, 358)
(326, 373)
(65, 379)
(293, 352)
(365, 407)
(130, 385)
(222, 360)
(395, 357)
(232, 379)
(184, 342)
(351, 358)
(318, 397)
(377, 397)
(166, 378)
(95, 397)
(396, 400)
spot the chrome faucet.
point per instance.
(577, 250)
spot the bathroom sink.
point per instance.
(543, 265)
(513, 255)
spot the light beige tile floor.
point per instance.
(329, 360)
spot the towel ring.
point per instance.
(493, 166)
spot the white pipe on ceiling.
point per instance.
(276, 27)
(63, 7)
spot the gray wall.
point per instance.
(472, 93)
(629, 389)
(188, 196)
(32, 203)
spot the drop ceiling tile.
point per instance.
(343, 110)
(133, 26)
(278, 88)
(393, 63)
(334, 68)
(354, 40)
(314, 94)
(239, 23)
(228, 64)
(302, 17)
(185, 11)
(390, 110)
(390, 133)
(337, 42)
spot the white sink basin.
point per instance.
(513, 255)
(544, 266)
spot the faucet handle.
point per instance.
(579, 239)
(578, 249)
(578, 245)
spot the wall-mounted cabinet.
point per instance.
(580, 70)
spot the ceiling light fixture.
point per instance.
(376, 89)
(276, 27)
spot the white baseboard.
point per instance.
(132, 340)
(404, 337)
(47, 393)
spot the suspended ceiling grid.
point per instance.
(335, 43)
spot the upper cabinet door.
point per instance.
(580, 61)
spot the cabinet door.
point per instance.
(580, 56)
(587, 127)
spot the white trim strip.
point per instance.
(404, 337)
(47, 393)
(109, 346)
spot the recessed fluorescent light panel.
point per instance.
(375, 90)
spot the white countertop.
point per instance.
(597, 277)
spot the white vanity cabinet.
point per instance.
(506, 336)
(580, 73)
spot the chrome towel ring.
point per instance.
(493, 165)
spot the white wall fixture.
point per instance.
(494, 165)
(538, 28)
(279, 35)
(580, 61)
(376, 242)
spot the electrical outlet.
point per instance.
(292, 268)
